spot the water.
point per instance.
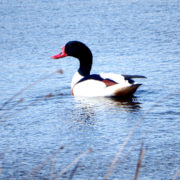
(128, 37)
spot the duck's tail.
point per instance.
(118, 90)
(127, 91)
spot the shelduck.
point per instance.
(103, 84)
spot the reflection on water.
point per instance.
(86, 109)
(128, 104)
(85, 115)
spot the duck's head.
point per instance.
(75, 49)
(80, 51)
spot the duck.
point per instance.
(91, 85)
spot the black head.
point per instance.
(78, 50)
(75, 49)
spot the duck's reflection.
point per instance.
(126, 104)
(86, 115)
(88, 108)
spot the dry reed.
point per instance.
(117, 155)
(59, 175)
(176, 174)
(33, 173)
(73, 171)
(21, 100)
(29, 86)
(52, 168)
(138, 166)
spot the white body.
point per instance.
(93, 87)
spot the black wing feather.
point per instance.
(133, 76)
(93, 76)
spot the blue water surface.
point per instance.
(46, 133)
